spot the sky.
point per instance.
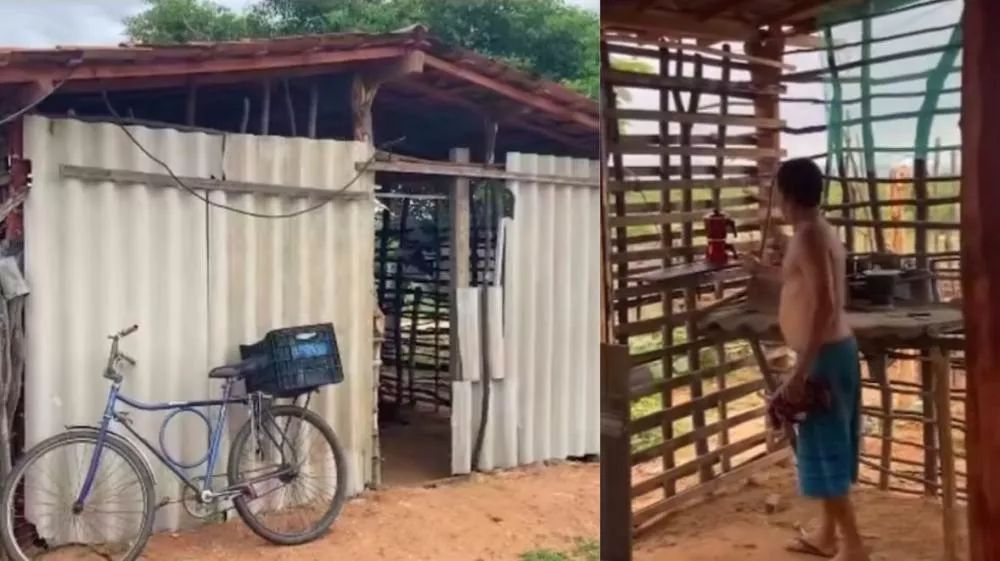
(887, 133)
(47, 23)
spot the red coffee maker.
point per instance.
(717, 228)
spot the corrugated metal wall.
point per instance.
(198, 281)
(544, 403)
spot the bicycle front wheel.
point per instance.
(294, 473)
(40, 519)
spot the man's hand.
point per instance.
(794, 388)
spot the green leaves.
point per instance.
(547, 37)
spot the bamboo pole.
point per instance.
(666, 296)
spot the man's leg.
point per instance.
(822, 540)
(842, 511)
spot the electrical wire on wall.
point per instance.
(364, 169)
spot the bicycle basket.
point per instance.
(300, 359)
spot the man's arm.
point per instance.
(816, 268)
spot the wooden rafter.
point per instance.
(515, 122)
(719, 7)
(205, 66)
(624, 17)
(544, 104)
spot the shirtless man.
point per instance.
(814, 325)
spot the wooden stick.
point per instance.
(290, 107)
(413, 340)
(668, 457)
(245, 120)
(313, 108)
(191, 112)
(942, 381)
(265, 109)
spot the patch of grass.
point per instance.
(544, 555)
(583, 550)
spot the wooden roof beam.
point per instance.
(616, 16)
(719, 7)
(543, 104)
(152, 70)
(504, 119)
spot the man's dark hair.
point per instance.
(801, 182)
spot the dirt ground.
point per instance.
(417, 452)
(495, 517)
(736, 525)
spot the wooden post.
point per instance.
(383, 254)
(437, 304)
(364, 86)
(245, 120)
(414, 321)
(942, 394)
(616, 477)
(612, 136)
(877, 370)
(362, 97)
(980, 167)
(766, 106)
(667, 295)
(313, 109)
(289, 107)
(399, 296)
(191, 111)
(458, 201)
(265, 109)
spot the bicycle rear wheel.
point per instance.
(297, 472)
(39, 520)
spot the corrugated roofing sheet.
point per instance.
(100, 256)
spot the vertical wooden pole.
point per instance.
(399, 296)
(191, 111)
(878, 371)
(612, 135)
(313, 109)
(383, 254)
(980, 168)
(362, 97)
(245, 120)
(666, 296)
(414, 321)
(458, 201)
(720, 349)
(616, 482)
(437, 305)
(289, 107)
(942, 395)
(265, 109)
(691, 292)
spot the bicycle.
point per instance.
(110, 464)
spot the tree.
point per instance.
(548, 37)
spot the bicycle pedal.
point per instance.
(164, 502)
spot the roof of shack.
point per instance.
(450, 75)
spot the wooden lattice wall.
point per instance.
(697, 414)
(412, 279)
(696, 407)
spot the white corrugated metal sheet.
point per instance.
(198, 281)
(546, 406)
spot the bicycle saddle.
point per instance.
(237, 370)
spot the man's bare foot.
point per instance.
(855, 553)
(815, 543)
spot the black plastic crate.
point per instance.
(300, 359)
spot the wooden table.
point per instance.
(917, 327)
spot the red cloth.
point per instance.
(784, 412)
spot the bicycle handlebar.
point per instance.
(128, 331)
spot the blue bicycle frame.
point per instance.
(215, 439)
